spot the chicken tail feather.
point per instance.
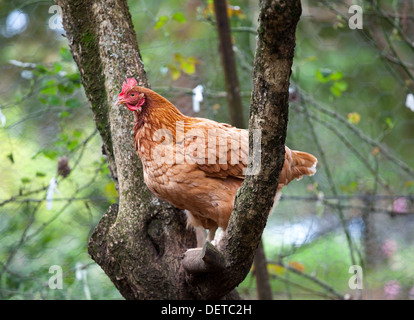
(297, 164)
(305, 163)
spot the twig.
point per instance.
(351, 147)
(373, 209)
(331, 184)
(21, 241)
(17, 198)
(408, 41)
(384, 151)
(82, 146)
(393, 51)
(320, 283)
(300, 286)
(69, 201)
(397, 61)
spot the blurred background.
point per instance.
(351, 105)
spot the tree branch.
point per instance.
(229, 64)
(139, 241)
(202, 260)
(268, 115)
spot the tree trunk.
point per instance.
(140, 242)
(235, 107)
(228, 60)
(264, 290)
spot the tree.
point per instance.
(140, 242)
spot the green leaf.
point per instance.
(42, 100)
(64, 114)
(179, 17)
(104, 170)
(25, 180)
(50, 154)
(389, 123)
(161, 21)
(336, 76)
(49, 83)
(320, 77)
(65, 54)
(67, 88)
(57, 67)
(188, 65)
(73, 103)
(338, 87)
(49, 91)
(352, 187)
(77, 133)
(110, 190)
(326, 73)
(54, 100)
(10, 157)
(63, 137)
(175, 72)
(178, 57)
(74, 78)
(72, 144)
(40, 174)
(188, 68)
(41, 68)
(335, 91)
(341, 85)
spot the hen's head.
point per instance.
(131, 95)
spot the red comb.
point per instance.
(128, 84)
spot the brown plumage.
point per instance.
(196, 164)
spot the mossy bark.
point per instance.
(268, 114)
(140, 242)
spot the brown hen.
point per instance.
(196, 164)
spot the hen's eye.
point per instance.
(132, 94)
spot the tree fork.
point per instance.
(140, 242)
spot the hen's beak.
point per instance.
(119, 101)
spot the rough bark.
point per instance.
(269, 115)
(140, 242)
(234, 102)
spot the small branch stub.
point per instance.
(203, 260)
